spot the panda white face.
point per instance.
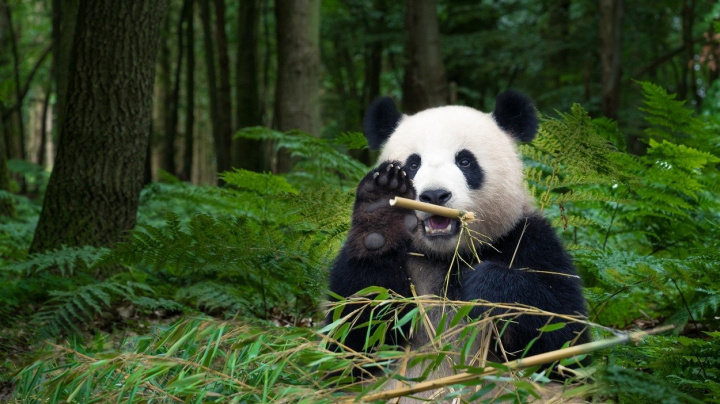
(460, 158)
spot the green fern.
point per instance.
(66, 309)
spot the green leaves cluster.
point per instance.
(643, 231)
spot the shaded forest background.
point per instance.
(195, 160)
(315, 67)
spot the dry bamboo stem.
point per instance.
(547, 357)
(434, 209)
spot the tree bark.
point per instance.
(44, 127)
(297, 104)
(224, 121)
(186, 172)
(687, 88)
(248, 153)
(63, 26)
(611, 14)
(173, 104)
(7, 207)
(93, 192)
(425, 83)
(17, 143)
(222, 143)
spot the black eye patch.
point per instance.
(412, 165)
(468, 164)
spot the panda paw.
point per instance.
(378, 227)
(386, 182)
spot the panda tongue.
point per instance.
(437, 222)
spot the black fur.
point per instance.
(381, 119)
(468, 164)
(515, 114)
(358, 267)
(412, 165)
(542, 275)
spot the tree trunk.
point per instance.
(297, 104)
(44, 127)
(186, 172)
(171, 124)
(688, 84)
(167, 153)
(611, 14)
(224, 121)
(63, 22)
(222, 144)
(425, 84)
(16, 144)
(248, 153)
(93, 192)
(7, 207)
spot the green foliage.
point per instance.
(643, 231)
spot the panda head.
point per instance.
(461, 158)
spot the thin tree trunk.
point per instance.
(297, 104)
(224, 121)
(171, 125)
(7, 207)
(222, 151)
(93, 192)
(248, 153)
(63, 26)
(43, 126)
(16, 75)
(148, 166)
(166, 95)
(611, 14)
(688, 83)
(425, 83)
(186, 172)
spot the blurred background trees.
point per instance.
(315, 65)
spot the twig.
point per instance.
(434, 209)
(541, 359)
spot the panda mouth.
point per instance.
(440, 226)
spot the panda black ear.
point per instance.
(515, 114)
(381, 119)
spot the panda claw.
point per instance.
(376, 174)
(389, 167)
(402, 173)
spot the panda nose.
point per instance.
(436, 196)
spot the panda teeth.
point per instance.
(446, 230)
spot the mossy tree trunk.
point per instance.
(64, 15)
(611, 14)
(297, 103)
(93, 192)
(425, 82)
(7, 207)
(187, 163)
(224, 90)
(248, 153)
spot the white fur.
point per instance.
(437, 135)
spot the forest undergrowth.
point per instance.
(218, 293)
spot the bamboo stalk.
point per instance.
(544, 358)
(434, 209)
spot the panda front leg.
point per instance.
(496, 282)
(375, 252)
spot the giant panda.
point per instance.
(462, 158)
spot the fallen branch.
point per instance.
(541, 359)
(434, 209)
